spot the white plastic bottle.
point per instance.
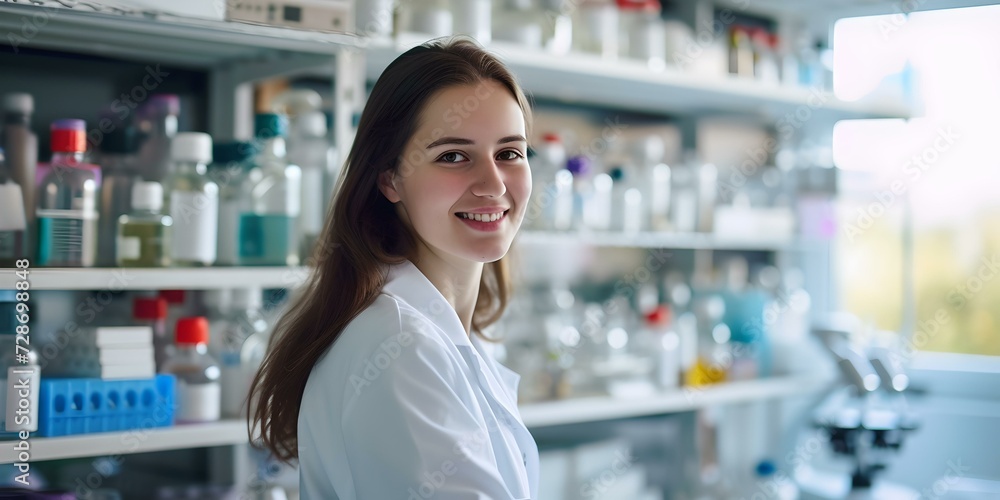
(192, 201)
(198, 388)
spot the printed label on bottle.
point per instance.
(129, 248)
(66, 238)
(196, 219)
(21, 396)
(198, 402)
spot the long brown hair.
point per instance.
(363, 234)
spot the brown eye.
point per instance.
(509, 155)
(452, 157)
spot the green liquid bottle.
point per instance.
(268, 222)
(144, 234)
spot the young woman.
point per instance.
(378, 380)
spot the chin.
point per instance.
(485, 254)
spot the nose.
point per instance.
(489, 182)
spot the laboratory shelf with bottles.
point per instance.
(571, 376)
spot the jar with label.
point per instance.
(198, 387)
(192, 201)
(144, 235)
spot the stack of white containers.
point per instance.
(107, 352)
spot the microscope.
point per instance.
(865, 420)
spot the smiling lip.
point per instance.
(486, 226)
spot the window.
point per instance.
(919, 246)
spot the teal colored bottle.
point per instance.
(268, 232)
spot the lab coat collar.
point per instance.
(409, 283)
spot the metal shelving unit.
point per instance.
(205, 278)
(631, 85)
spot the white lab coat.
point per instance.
(406, 406)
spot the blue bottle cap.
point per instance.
(268, 125)
(578, 165)
(226, 153)
(616, 173)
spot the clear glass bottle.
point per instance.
(517, 21)
(642, 34)
(658, 341)
(231, 163)
(144, 234)
(309, 147)
(192, 201)
(473, 18)
(243, 348)
(120, 173)
(557, 28)
(20, 145)
(13, 224)
(271, 200)
(67, 201)
(596, 32)
(549, 159)
(152, 312)
(157, 121)
(198, 387)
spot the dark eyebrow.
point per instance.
(461, 141)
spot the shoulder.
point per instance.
(388, 336)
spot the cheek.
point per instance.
(519, 184)
(434, 195)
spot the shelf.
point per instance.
(688, 241)
(232, 432)
(594, 409)
(159, 38)
(222, 433)
(205, 278)
(630, 85)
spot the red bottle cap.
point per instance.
(69, 136)
(193, 330)
(639, 5)
(173, 296)
(149, 308)
(659, 316)
(550, 137)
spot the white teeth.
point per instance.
(482, 217)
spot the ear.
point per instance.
(387, 186)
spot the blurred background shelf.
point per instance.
(224, 432)
(631, 85)
(690, 241)
(594, 409)
(205, 278)
(160, 37)
(231, 432)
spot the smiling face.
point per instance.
(463, 181)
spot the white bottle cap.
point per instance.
(12, 207)
(312, 124)
(19, 102)
(147, 196)
(191, 146)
